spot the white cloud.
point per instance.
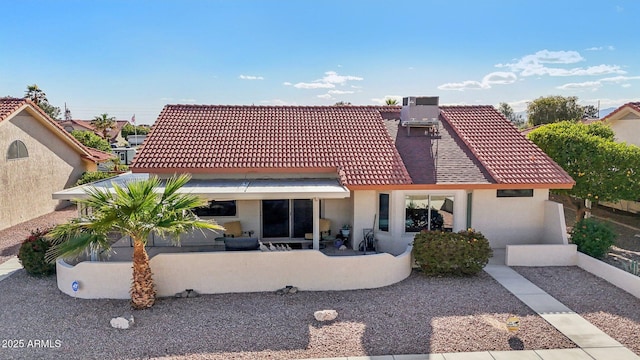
(465, 85)
(535, 65)
(605, 103)
(313, 85)
(278, 102)
(499, 77)
(286, 83)
(598, 83)
(582, 85)
(594, 48)
(626, 85)
(383, 101)
(332, 77)
(339, 92)
(251, 77)
(328, 81)
(494, 78)
(325, 96)
(187, 100)
(520, 105)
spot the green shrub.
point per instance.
(91, 176)
(446, 253)
(593, 237)
(32, 252)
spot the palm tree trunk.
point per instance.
(143, 293)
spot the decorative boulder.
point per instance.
(122, 322)
(325, 315)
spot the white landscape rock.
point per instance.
(122, 322)
(325, 315)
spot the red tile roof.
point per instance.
(632, 106)
(86, 125)
(9, 105)
(351, 140)
(505, 153)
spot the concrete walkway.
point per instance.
(592, 342)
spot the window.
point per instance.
(17, 150)
(383, 210)
(515, 193)
(123, 157)
(217, 208)
(428, 212)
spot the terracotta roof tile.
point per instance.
(213, 138)
(505, 153)
(9, 105)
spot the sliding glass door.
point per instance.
(278, 221)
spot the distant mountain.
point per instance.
(607, 111)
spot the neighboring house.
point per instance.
(625, 123)
(38, 158)
(115, 134)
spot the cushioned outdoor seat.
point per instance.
(241, 243)
(233, 229)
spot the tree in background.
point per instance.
(590, 112)
(342, 103)
(508, 112)
(551, 109)
(391, 102)
(35, 94)
(88, 138)
(136, 209)
(129, 129)
(604, 170)
(103, 124)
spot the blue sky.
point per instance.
(126, 57)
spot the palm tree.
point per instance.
(103, 124)
(391, 102)
(35, 94)
(136, 210)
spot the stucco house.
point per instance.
(397, 170)
(38, 158)
(114, 135)
(625, 123)
(281, 174)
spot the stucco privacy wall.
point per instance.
(243, 271)
(555, 229)
(26, 184)
(509, 220)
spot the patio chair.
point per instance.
(325, 232)
(233, 229)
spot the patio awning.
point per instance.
(231, 189)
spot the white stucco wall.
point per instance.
(338, 211)
(242, 271)
(541, 255)
(627, 129)
(554, 226)
(26, 184)
(515, 221)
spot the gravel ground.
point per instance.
(418, 315)
(11, 238)
(611, 309)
